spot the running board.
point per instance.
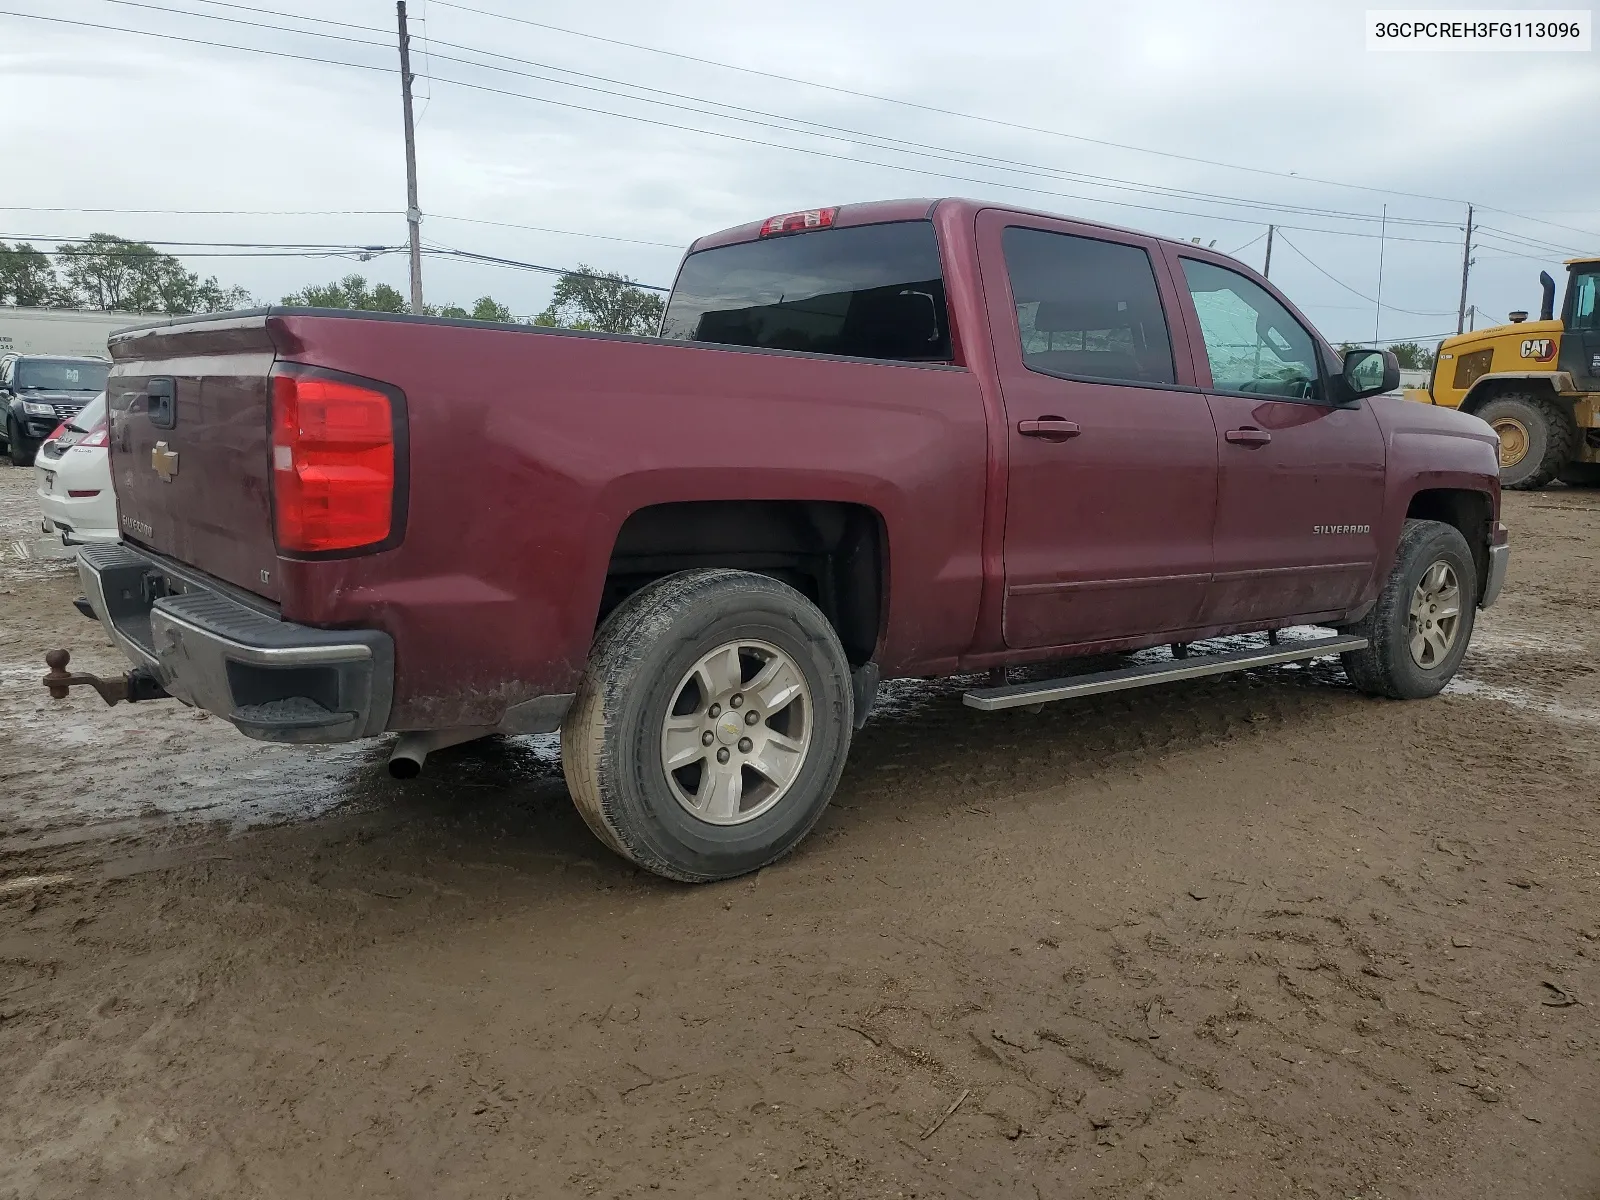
(1022, 695)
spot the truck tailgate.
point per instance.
(190, 406)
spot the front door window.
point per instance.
(1253, 344)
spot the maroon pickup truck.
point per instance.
(910, 438)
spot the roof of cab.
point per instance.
(879, 211)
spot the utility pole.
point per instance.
(1466, 265)
(1377, 318)
(1266, 268)
(413, 213)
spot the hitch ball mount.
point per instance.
(138, 684)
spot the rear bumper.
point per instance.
(1499, 560)
(78, 518)
(274, 680)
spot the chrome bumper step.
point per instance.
(1024, 695)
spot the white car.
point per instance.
(74, 473)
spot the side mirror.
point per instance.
(1369, 373)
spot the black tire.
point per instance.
(612, 738)
(1387, 666)
(16, 449)
(1550, 436)
(1580, 474)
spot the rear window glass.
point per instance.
(871, 291)
(56, 376)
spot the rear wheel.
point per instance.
(1418, 630)
(711, 726)
(1536, 438)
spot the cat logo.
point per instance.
(1539, 349)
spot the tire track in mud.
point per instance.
(1254, 935)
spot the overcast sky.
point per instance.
(100, 118)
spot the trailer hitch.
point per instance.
(138, 684)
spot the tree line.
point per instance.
(118, 275)
(1410, 355)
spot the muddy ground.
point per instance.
(1259, 936)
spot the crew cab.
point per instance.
(910, 438)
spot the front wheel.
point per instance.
(16, 448)
(1418, 630)
(711, 725)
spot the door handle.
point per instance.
(161, 402)
(1248, 436)
(1051, 429)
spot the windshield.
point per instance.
(91, 415)
(871, 291)
(61, 375)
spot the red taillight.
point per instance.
(82, 494)
(98, 435)
(798, 222)
(57, 432)
(333, 464)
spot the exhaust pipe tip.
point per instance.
(405, 767)
(411, 750)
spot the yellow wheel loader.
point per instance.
(1536, 382)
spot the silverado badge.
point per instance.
(164, 461)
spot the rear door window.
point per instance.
(1087, 309)
(869, 291)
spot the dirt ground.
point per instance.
(1259, 936)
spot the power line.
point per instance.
(1410, 337)
(82, 252)
(207, 212)
(1362, 295)
(855, 161)
(940, 111)
(347, 212)
(1530, 243)
(985, 119)
(339, 246)
(1202, 197)
(267, 12)
(790, 124)
(624, 116)
(497, 260)
(992, 163)
(1553, 224)
(605, 237)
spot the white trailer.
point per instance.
(66, 331)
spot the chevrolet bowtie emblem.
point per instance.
(164, 461)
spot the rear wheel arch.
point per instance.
(835, 553)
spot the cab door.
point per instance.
(1112, 463)
(1300, 480)
(1580, 340)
